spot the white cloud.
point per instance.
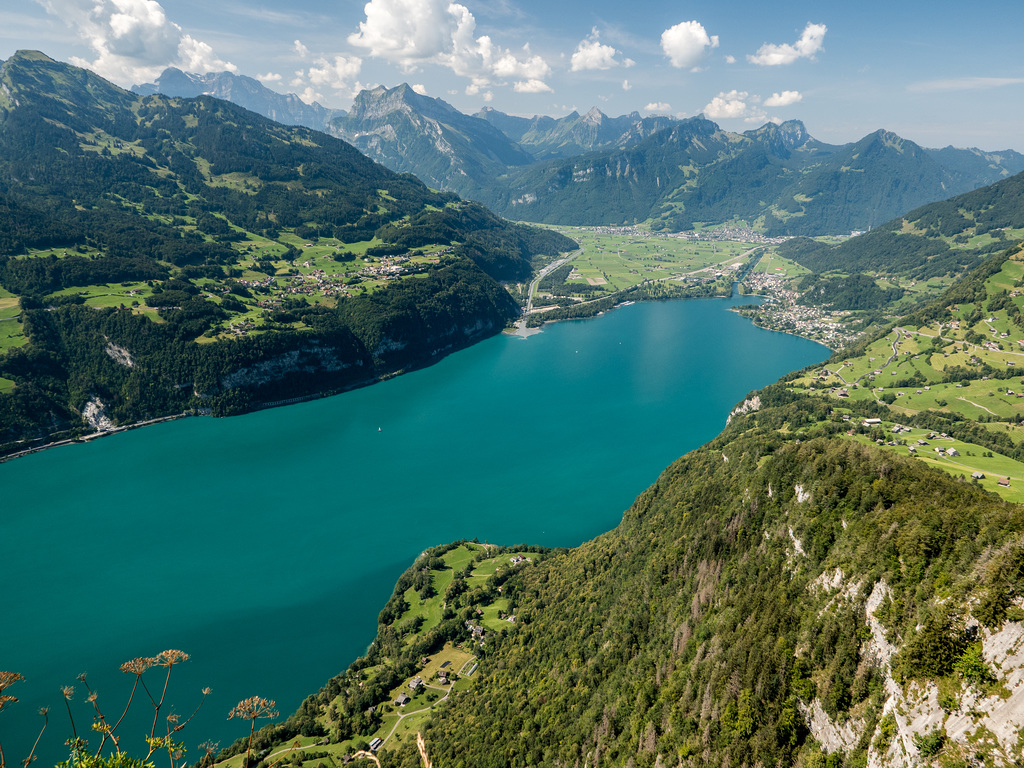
(532, 86)
(270, 77)
(300, 50)
(626, 86)
(730, 59)
(133, 40)
(735, 105)
(309, 95)
(658, 107)
(336, 73)
(411, 33)
(811, 41)
(420, 89)
(593, 54)
(687, 43)
(783, 99)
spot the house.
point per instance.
(871, 422)
(376, 744)
(1005, 482)
(952, 452)
(415, 683)
(402, 700)
(978, 475)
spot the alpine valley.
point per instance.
(836, 580)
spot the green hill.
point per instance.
(162, 255)
(815, 587)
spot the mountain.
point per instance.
(776, 178)
(938, 239)
(572, 170)
(244, 91)
(814, 587)
(162, 255)
(574, 134)
(417, 134)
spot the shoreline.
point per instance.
(520, 330)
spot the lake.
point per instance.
(265, 545)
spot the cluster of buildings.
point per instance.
(780, 312)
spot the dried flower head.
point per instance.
(170, 657)
(81, 677)
(91, 698)
(253, 708)
(207, 691)
(137, 666)
(68, 691)
(9, 678)
(5, 700)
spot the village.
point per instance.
(781, 312)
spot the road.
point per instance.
(521, 324)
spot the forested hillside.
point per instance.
(803, 590)
(163, 255)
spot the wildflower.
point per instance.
(253, 708)
(9, 678)
(68, 691)
(170, 657)
(137, 666)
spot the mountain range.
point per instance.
(161, 255)
(593, 169)
(813, 588)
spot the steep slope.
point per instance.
(796, 592)
(416, 134)
(938, 239)
(287, 109)
(166, 255)
(882, 175)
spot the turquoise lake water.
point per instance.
(265, 545)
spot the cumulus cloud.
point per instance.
(420, 89)
(626, 86)
(658, 107)
(411, 33)
(735, 105)
(300, 50)
(335, 73)
(593, 54)
(531, 86)
(687, 43)
(310, 95)
(811, 41)
(133, 40)
(270, 77)
(783, 99)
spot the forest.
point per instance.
(192, 201)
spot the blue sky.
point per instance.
(935, 72)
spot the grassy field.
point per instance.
(399, 723)
(616, 260)
(969, 363)
(972, 458)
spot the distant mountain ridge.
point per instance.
(593, 169)
(417, 134)
(287, 109)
